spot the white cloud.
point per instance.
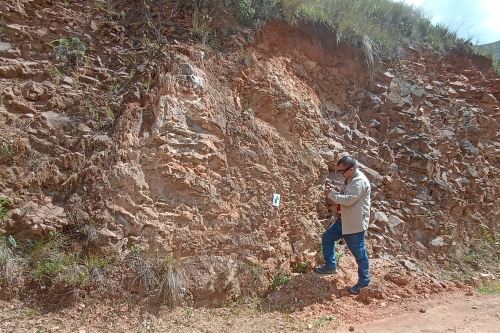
(476, 19)
(416, 3)
(490, 24)
(436, 19)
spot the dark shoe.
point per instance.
(325, 270)
(356, 289)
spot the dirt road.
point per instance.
(476, 314)
(443, 313)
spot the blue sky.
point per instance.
(478, 19)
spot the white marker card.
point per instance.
(276, 199)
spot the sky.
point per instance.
(475, 19)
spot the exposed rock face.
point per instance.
(187, 167)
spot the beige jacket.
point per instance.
(354, 204)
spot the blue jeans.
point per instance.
(355, 243)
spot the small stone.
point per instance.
(5, 46)
(423, 310)
(388, 76)
(452, 93)
(54, 120)
(489, 99)
(20, 107)
(84, 128)
(88, 79)
(437, 242)
(474, 307)
(67, 81)
(381, 217)
(351, 328)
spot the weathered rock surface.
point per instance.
(180, 152)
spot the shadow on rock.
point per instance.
(304, 290)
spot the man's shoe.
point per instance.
(356, 289)
(325, 270)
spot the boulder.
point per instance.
(437, 242)
(395, 224)
(381, 218)
(55, 120)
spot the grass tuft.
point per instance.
(492, 288)
(279, 280)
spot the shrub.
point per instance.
(47, 268)
(6, 152)
(385, 23)
(492, 288)
(157, 275)
(202, 26)
(70, 51)
(300, 267)
(5, 204)
(11, 266)
(279, 280)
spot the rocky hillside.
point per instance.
(492, 48)
(140, 156)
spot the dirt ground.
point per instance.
(476, 314)
(446, 312)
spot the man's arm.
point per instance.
(350, 197)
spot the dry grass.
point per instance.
(157, 276)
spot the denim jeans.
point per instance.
(355, 243)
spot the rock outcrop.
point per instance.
(178, 149)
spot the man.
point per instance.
(353, 203)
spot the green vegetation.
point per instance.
(202, 26)
(377, 26)
(382, 23)
(6, 152)
(93, 262)
(11, 266)
(471, 258)
(323, 321)
(70, 51)
(300, 267)
(47, 268)
(5, 204)
(156, 275)
(493, 288)
(279, 280)
(492, 51)
(49, 261)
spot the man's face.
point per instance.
(345, 170)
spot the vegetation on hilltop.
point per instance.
(382, 23)
(491, 50)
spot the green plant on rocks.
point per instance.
(5, 204)
(11, 265)
(70, 51)
(6, 152)
(300, 267)
(280, 280)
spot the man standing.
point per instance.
(353, 203)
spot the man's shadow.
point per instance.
(303, 290)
